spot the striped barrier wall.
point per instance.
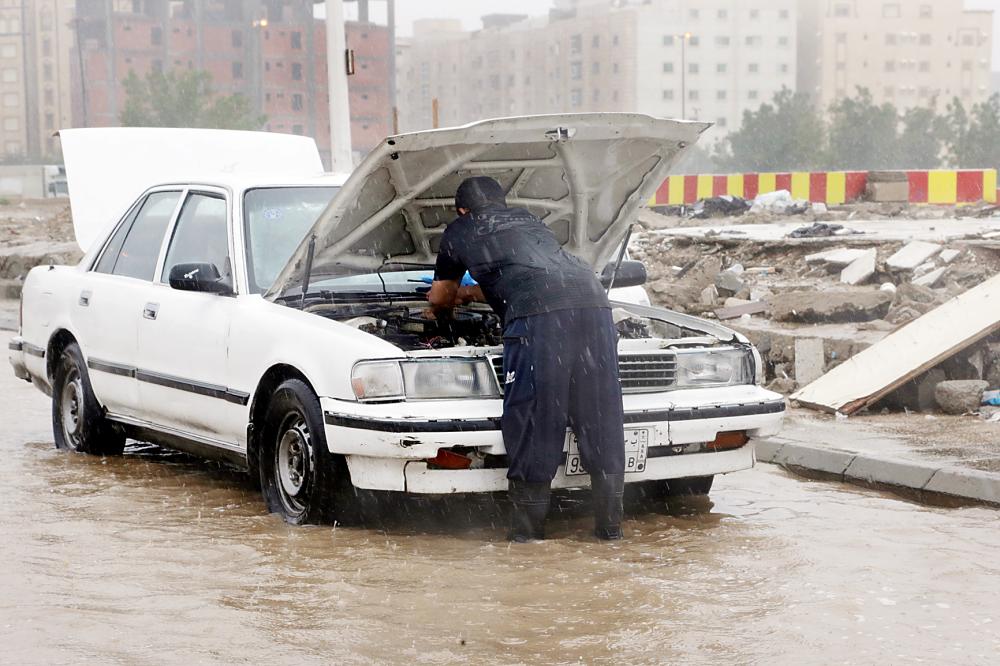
(829, 187)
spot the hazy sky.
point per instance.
(470, 11)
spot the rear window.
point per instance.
(135, 247)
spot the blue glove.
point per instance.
(467, 280)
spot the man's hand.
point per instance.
(443, 296)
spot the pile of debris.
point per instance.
(811, 303)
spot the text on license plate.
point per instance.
(636, 447)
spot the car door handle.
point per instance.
(149, 310)
(84, 298)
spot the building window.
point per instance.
(668, 40)
(925, 66)
(693, 95)
(754, 14)
(783, 42)
(721, 95)
(49, 97)
(668, 68)
(11, 124)
(9, 76)
(722, 14)
(841, 38)
(595, 67)
(297, 40)
(783, 68)
(614, 40)
(11, 100)
(721, 122)
(50, 121)
(891, 10)
(890, 91)
(576, 44)
(614, 68)
(841, 66)
(237, 39)
(966, 65)
(783, 14)
(296, 102)
(754, 40)
(297, 129)
(926, 11)
(722, 68)
(753, 68)
(47, 71)
(968, 39)
(157, 66)
(576, 97)
(693, 68)
(890, 65)
(296, 71)
(753, 94)
(926, 40)
(237, 70)
(46, 47)
(722, 41)
(668, 95)
(694, 14)
(576, 70)
(8, 51)
(156, 35)
(841, 10)
(890, 39)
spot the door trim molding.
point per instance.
(170, 381)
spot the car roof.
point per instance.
(242, 182)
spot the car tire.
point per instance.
(78, 422)
(300, 479)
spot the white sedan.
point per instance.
(236, 305)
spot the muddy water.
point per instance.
(155, 558)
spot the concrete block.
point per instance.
(901, 473)
(912, 255)
(861, 269)
(816, 458)
(709, 295)
(810, 360)
(931, 279)
(767, 449)
(972, 483)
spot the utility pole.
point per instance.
(341, 160)
(684, 40)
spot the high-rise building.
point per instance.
(702, 59)
(907, 52)
(271, 51)
(35, 51)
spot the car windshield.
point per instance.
(276, 220)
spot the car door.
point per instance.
(183, 335)
(107, 310)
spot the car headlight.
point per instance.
(425, 379)
(726, 367)
(448, 378)
(377, 380)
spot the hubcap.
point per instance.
(71, 408)
(293, 463)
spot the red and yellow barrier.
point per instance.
(830, 187)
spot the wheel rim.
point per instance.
(71, 408)
(293, 464)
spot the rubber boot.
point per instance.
(530, 502)
(607, 491)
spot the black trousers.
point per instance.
(561, 370)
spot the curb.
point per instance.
(928, 480)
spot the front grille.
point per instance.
(639, 373)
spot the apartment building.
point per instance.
(35, 51)
(271, 51)
(907, 52)
(702, 59)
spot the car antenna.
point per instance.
(309, 269)
(621, 256)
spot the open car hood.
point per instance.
(584, 174)
(108, 168)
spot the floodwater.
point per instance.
(157, 558)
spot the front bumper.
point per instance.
(386, 445)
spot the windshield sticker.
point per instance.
(273, 213)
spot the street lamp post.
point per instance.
(684, 40)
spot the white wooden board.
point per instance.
(908, 352)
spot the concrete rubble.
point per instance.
(889, 265)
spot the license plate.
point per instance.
(636, 447)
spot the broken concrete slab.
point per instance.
(908, 352)
(729, 283)
(709, 295)
(831, 306)
(948, 256)
(861, 269)
(737, 311)
(840, 257)
(960, 396)
(810, 360)
(931, 279)
(912, 255)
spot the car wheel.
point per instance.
(78, 422)
(300, 479)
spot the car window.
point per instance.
(106, 263)
(277, 219)
(136, 255)
(200, 235)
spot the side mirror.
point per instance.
(199, 277)
(630, 274)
